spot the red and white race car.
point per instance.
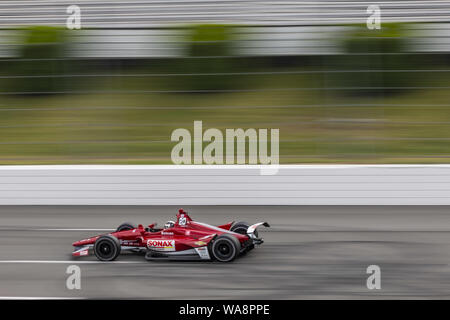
(184, 239)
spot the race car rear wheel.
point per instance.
(241, 227)
(126, 226)
(107, 248)
(225, 248)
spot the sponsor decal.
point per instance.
(128, 243)
(81, 252)
(161, 245)
(203, 253)
(200, 243)
(167, 233)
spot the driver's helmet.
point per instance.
(169, 224)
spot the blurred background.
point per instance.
(113, 91)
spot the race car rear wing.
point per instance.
(251, 232)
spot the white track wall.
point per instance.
(225, 185)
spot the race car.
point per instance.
(184, 239)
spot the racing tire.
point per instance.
(107, 248)
(225, 248)
(241, 227)
(126, 226)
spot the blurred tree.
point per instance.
(369, 52)
(209, 48)
(41, 50)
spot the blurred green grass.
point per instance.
(318, 126)
(118, 119)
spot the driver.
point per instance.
(182, 220)
(169, 224)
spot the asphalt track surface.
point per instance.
(309, 252)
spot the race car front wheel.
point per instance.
(107, 248)
(225, 248)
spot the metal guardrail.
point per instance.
(150, 28)
(225, 185)
(247, 41)
(150, 13)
